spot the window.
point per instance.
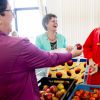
(28, 19)
(25, 3)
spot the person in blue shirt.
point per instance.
(50, 42)
(51, 39)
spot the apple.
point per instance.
(96, 91)
(87, 92)
(69, 73)
(45, 87)
(42, 98)
(59, 74)
(59, 94)
(78, 93)
(84, 65)
(77, 70)
(91, 69)
(63, 91)
(49, 75)
(60, 86)
(98, 96)
(55, 98)
(79, 46)
(81, 91)
(85, 95)
(53, 89)
(41, 92)
(76, 98)
(92, 98)
(63, 64)
(70, 63)
(95, 95)
(82, 76)
(76, 80)
(48, 90)
(48, 96)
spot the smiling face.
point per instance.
(52, 24)
(6, 19)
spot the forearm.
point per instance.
(47, 59)
(36, 58)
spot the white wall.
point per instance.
(76, 18)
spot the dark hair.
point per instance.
(3, 6)
(46, 19)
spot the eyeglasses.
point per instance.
(12, 11)
(9, 11)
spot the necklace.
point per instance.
(52, 39)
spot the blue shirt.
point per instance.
(43, 42)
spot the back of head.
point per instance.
(3, 6)
(46, 19)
